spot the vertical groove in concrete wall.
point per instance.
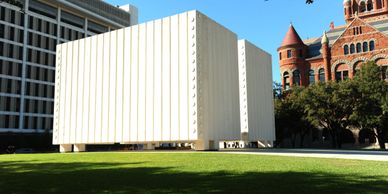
(92, 99)
(99, 88)
(127, 83)
(86, 99)
(80, 91)
(119, 85)
(134, 79)
(174, 78)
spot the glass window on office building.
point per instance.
(42, 35)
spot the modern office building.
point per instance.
(172, 80)
(29, 33)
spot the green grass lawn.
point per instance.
(196, 172)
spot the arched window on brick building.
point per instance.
(365, 47)
(383, 63)
(355, 8)
(358, 48)
(362, 7)
(352, 49)
(341, 72)
(321, 75)
(372, 45)
(286, 80)
(296, 78)
(346, 50)
(289, 53)
(311, 77)
(369, 5)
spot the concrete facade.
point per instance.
(169, 80)
(256, 98)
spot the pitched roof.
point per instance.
(380, 25)
(310, 40)
(291, 37)
(314, 44)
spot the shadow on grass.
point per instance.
(22, 177)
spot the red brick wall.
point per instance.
(368, 33)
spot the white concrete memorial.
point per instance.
(256, 95)
(169, 80)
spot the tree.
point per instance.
(277, 90)
(371, 112)
(329, 106)
(360, 103)
(290, 118)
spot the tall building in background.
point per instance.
(339, 53)
(29, 33)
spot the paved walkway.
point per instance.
(316, 153)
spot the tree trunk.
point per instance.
(382, 144)
(380, 139)
(339, 143)
(356, 136)
(339, 139)
(379, 135)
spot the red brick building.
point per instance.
(339, 52)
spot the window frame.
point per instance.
(365, 47)
(286, 80)
(384, 72)
(311, 77)
(296, 78)
(289, 54)
(372, 45)
(358, 48)
(346, 50)
(352, 48)
(341, 75)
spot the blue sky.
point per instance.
(263, 23)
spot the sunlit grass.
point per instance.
(193, 172)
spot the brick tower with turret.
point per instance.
(339, 52)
